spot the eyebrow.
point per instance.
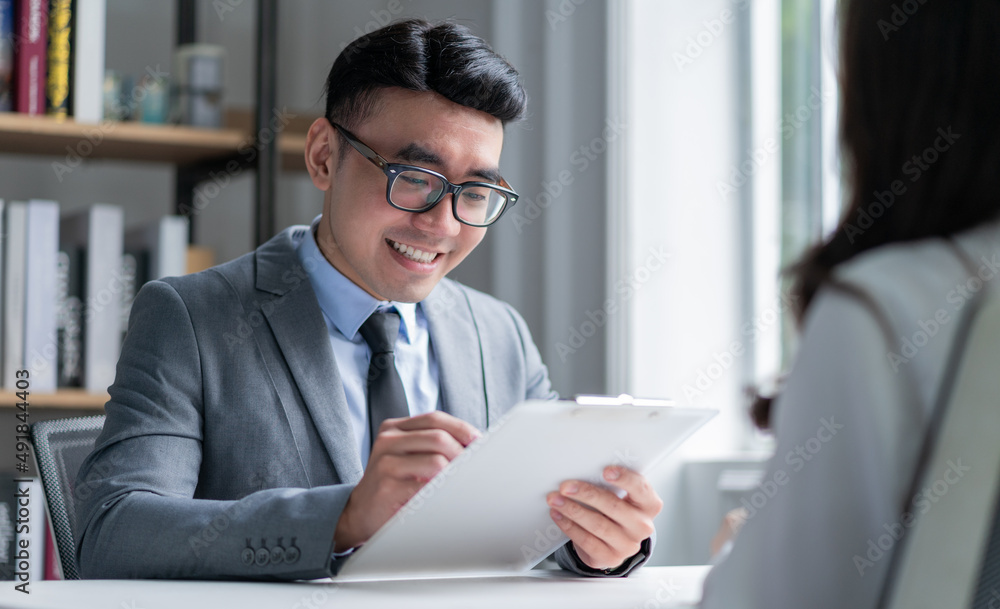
(415, 154)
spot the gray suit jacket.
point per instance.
(227, 450)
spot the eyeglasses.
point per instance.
(415, 189)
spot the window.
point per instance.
(728, 171)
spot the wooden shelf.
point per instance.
(292, 147)
(176, 144)
(22, 134)
(64, 398)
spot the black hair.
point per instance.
(919, 129)
(920, 96)
(446, 58)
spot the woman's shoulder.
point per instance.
(930, 273)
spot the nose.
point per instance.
(439, 220)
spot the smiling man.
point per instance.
(274, 454)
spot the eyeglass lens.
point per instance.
(476, 204)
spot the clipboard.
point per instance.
(485, 514)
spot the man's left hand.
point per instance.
(606, 530)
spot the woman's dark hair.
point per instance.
(919, 128)
(414, 54)
(920, 109)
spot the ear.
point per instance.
(322, 148)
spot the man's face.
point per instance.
(361, 234)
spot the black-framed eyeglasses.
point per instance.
(416, 189)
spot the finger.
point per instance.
(409, 467)
(423, 441)
(636, 524)
(591, 549)
(459, 429)
(637, 488)
(595, 523)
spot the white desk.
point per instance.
(649, 588)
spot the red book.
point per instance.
(31, 19)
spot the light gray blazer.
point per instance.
(228, 451)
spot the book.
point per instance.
(69, 326)
(8, 517)
(31, 38)
(40, 339)
(166, 241)
(57, 82)
(89, 21)
(3, 246)
(155, 250)
(98, 232)
(132, 279)
(6, 55)
(15, 250)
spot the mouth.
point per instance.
(411, 253)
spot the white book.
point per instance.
(15, 248)
(88, 65)
(41, 343)
(166, 241)
(3, 246)
(99, 231)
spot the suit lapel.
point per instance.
(457, 346)
(298, 327)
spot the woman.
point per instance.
(879, 304)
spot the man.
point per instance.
(244, 435)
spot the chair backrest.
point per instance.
(951, 555)
(60, 448)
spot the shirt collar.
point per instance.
(344, 302)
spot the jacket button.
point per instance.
(263, 557)
(277, 554)
(247, 556)
(292, 552)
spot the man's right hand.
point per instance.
(406, 454)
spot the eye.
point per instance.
(413, 180)
(473, 197)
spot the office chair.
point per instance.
(60, 448)
(951, 555)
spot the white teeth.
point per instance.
(413, 254)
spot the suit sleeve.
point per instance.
(137, 515)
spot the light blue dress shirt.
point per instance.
(345, 308)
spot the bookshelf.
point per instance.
(127, 141)
(71, 399)
(193, 152)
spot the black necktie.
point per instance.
(386, 398)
